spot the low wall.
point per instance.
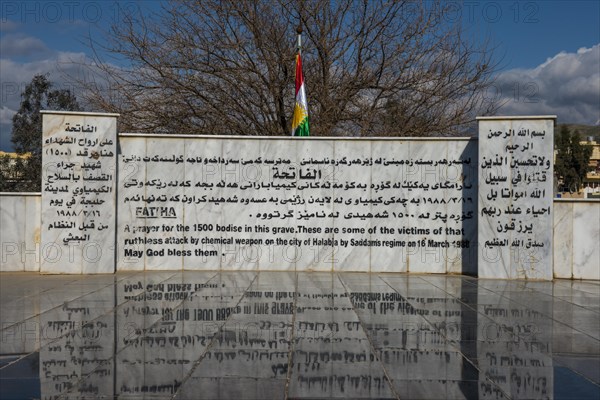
(20, 221)
(576, 238)
(576, 235)
(480, 206)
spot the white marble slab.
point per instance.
(33, 220)
(274, 256)
(201, 217)
(132, 177)
(576, 238)
(161, 210)
(430, 253)
(20, 235)
(314, 205)
(249, 171)
(78, 192)
(563, 240)
(503, 350)
(586, 240)
(77, 340)
(12, 218)
(348, 257)
(515, 197)
(462, 257)
(390, 258)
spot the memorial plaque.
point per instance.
(78, 192)
(303, 204)
(515, 197)
(296, 204)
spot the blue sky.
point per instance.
(549, 51)
(530, 32)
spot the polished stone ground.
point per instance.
(194, 335)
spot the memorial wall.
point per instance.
(235, 203)
(21, 231)
(168, 202)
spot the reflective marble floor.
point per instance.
(273, 335)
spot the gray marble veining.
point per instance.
(248, 334)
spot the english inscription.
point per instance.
(282, 204)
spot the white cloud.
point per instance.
(19, 45)
(567, 85)
(6, 115)
(14, 77)
(14, 71)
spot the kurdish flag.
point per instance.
(300, 118)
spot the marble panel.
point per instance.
(391, 256)
(131, 235)
(493, 262)
(563, 240)
(332, 344)
(201, 217)
(246, 250)
(79, 155)
(33, 220)
(287, 197)
(283, 252)
(426, 175)
(313, 248)
(145, 318)
(461, 258)
(515, 197)
(78, 342)
(586, 239)
(163, 213)
(255, 340)
(20, 238)
(351, 206)
(514, 341)
(12, 217)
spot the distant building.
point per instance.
(591, 183)
(8, 161)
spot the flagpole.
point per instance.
(300, 116)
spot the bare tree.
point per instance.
(372, 68)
